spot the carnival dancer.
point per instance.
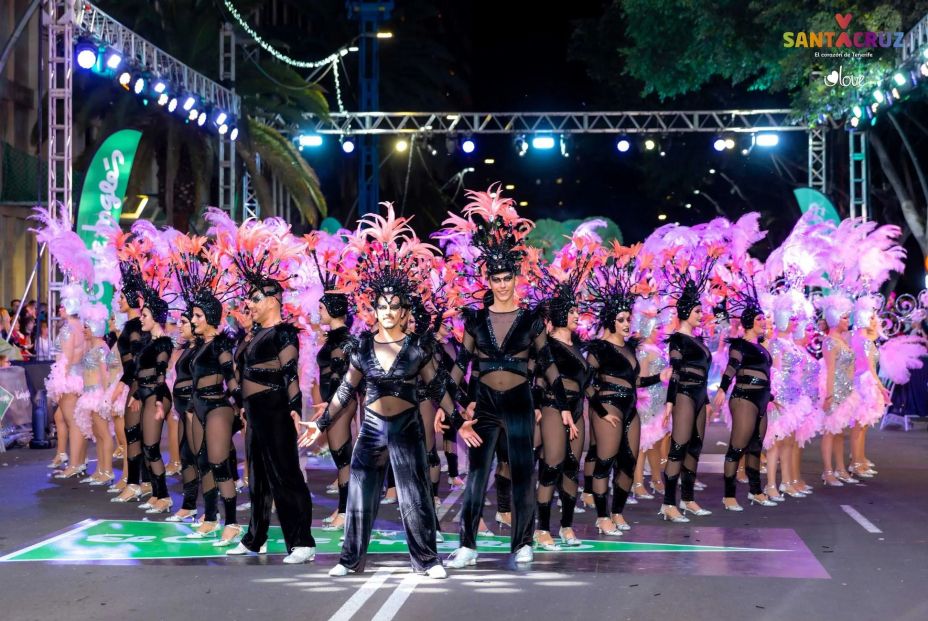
(500, 340)
(392, 271)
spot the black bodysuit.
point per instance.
(616, 376)
(749, 366)
(182, 392)
(690, 361)
(151, 390)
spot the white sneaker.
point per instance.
(462, 557)
(339, 570)
(435, 572)
(240, 550)
(524, 554)
(300, 555)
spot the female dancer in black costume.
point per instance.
(333, 363)
(390, 362)
(152, 400)
(214, 406)
(129, 343)
(182, 391)
(616, 376)
(687, 398)
(749, 365)
(562, 441)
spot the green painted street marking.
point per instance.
(122, 540)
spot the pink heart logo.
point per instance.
(843, 20)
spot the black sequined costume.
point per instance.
(391, 432)
(270, 392)
(749, 367)
(690, 361)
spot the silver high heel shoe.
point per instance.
(641, 492)
(764, 502)
(846, 478)
(568, 541)
(664, 515)
(735, 507)
(829, 479)
(610, 532)
(547, 547)
(778, 498)
(700, 512)
(790, 490)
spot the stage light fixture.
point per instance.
(623, 145)
(194, 113)
(348, 145)
(468, 145)
(401, 145)
(310, 140)
(878, 96)
(86, 53)
(221, 118)
(113, 60)
(543, 142)
(521, 145)
(172, 105)
(124, 79)
(899, 78)
(138, 85)
(766, 139)
(729, 143)
(223, 129)
(160, 86)
(163, 99)
(233, 135)
(201, 120)
(189, 102)
(650, 144)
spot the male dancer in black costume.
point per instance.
(500, 339)
(273, 402)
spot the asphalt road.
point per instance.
(819, 561)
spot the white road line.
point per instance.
(78, 528)
(868, 526)
(364, 593)
(397, 598)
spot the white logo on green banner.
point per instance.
(102, 198)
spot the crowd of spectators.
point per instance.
(29, 334)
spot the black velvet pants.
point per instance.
(275, 473)
(507, 412)
(398, 441)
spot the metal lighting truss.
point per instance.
(638, 122)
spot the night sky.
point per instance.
(514, 57)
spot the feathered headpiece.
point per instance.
(495, 230)
(614, 286)
(392, 261)
(263, 255)
(743, 298)
(864, 308)
(199, 279)
(326, 251)
(556, 287)
(685, 275)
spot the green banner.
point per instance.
(102, 197)
(813, 199)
